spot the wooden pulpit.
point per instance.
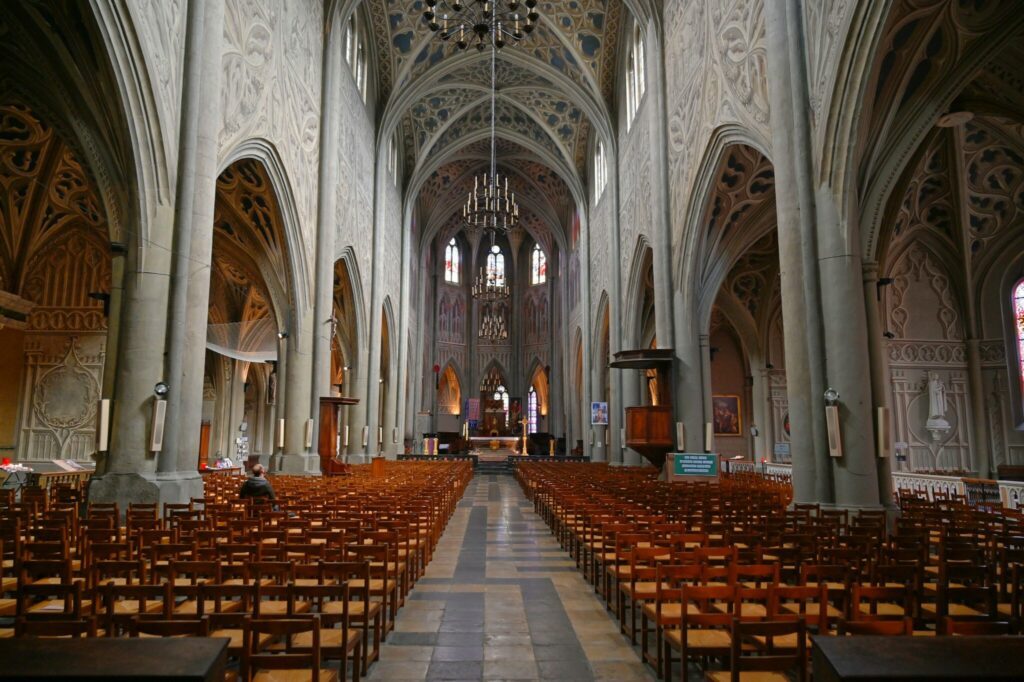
(649, 428)
(330, 423)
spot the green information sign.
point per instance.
(695, 464)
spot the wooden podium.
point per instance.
(649, 428)
(330, 422)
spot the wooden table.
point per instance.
(192, 659)
(866, 659)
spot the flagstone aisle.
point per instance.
(502, 601)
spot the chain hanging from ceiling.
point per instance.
(491, 206)
(480, 22)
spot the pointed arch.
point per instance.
(297, 258)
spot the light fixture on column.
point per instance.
(480, 22)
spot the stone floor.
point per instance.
(502, 601)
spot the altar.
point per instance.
(494, 448)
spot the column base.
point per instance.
(174, 487)
(358, 458)
(299, 465)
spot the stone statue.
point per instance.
(937, 423)
(936, 396)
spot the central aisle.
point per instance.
(502, 601)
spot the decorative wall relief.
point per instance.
(61, 389)
(922, 303)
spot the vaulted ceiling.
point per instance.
(554, 90)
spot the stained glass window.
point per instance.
(1018, 318)
(531, 410)
(538, 266)
(452, 262)
(496, 266)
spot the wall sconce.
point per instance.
(282, 335)
(831, 396)
(161, 390)
(888, 334)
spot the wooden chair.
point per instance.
(261, 663)
(338, 639)
(772, 664)
(159, 627)
(382, 585)
(363, 611)
(897, 626)
(951, 626)
(121, 603)
(75, 629)
(703, 631)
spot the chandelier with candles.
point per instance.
(490, 283)
(492, 327)
(481, 22)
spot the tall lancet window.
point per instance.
(496, 266)
(452, 262)
(538, 266)
(1018, 325)
(532, 410)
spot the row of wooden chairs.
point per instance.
(645, 544)
(342, 552)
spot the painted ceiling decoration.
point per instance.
(554, 92)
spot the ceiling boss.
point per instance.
(481, 22)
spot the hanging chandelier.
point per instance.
(481, 21)
(490, 285)
(491, 206)
(492, 327)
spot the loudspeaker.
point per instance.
(103, 425)
(680, 437)
(156, 438)
(709, 437)
(309, 433)
(883, 432)
(835, 436)
(280, 433)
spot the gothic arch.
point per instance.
(265, 152)
(691, 235)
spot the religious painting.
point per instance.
(515, 410)
(725, 410)
(598, 414)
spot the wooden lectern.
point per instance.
(330, 422)
(649, 428)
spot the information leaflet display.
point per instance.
(694, 466)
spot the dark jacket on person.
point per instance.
(257, 487)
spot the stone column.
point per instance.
(798, 258)
(176, 478)
(846, 354)
(323, 303)
(662, 228)
(298, 459)
(402, 386)
(981, 452)
(139, 367)
(114, 319)
(372, 368)
(690, 389)
(880, 384)
(631, 396)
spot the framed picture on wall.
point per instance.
(598, 414)
(725, 410)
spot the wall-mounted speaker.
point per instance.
(883, 432)
(309, 433)
(156, 430)
(835, 436)
(103, 425)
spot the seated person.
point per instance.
(257, 485)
